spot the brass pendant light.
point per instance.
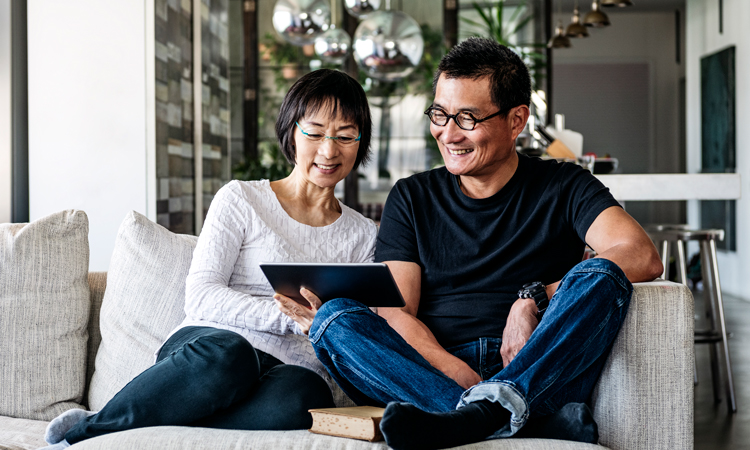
(595, 18)
(576, 29)
(619, 3)
(559, 40)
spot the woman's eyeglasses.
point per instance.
(343, 139)
(464, 120)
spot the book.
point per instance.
(358, 422)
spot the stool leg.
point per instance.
(714, 268)
(665, 259)
(682, 266)
(712, 316)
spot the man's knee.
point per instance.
(603, 275)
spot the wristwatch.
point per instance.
(538, 292)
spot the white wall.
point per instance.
(88, 105)
(703, 38)
(5, 119)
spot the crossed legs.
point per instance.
(558, 365)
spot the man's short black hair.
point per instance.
(320, 89)
(479, 57)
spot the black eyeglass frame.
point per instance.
(448, 117)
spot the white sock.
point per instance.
(59, 446)
(61, 424)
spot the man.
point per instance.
(463, 243)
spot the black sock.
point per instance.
(405, 426)
(573, 422)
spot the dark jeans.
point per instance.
(559, 364)
(211, 378)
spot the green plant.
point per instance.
(491, 25)
(280, 54)
(270, 164)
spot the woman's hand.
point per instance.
(302, 315)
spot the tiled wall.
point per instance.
(175, 146)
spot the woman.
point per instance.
(238, 362)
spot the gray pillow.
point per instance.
(144, 301)
(44, 310)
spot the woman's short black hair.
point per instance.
(480, 57)
(320, 89)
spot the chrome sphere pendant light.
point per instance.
(361, 8)
(333, 46)
(388, 45)
(301, 21)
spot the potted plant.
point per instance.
(491, 25)
(286, 57)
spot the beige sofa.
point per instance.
(69, 338)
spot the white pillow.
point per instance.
(143, 302)
(44, 311)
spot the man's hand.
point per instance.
(521, 323)
(464, 375)
(302, 315)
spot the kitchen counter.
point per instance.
(673, 186)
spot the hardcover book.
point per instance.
(359, 422)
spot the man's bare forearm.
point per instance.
(416, 334)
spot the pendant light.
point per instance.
(334, 45)
(559, 40)
(576, 29)
(619, 3)
(595, 18)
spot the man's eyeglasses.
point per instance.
(464, 120)
(344, 139)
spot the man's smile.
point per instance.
(460, 151)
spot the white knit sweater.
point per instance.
(226, 288)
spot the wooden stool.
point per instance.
(716, 335)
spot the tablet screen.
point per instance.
(371, 284)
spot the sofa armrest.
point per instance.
(644, 397)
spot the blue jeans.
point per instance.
(559, 364)
(211, 378)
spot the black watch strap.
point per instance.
(538, 292)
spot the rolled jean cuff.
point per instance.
(505, 393)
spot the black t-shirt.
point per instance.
(475, 254)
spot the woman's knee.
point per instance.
(225, 357)
(301, 389)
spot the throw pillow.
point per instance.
(44, 310)
(144, 301)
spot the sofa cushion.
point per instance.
(44, 309)
(211, 439)
(21, 434)
(143, 302)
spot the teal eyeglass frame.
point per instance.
(334, 138)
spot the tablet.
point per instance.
(371, 284)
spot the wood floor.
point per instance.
(715, 428)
